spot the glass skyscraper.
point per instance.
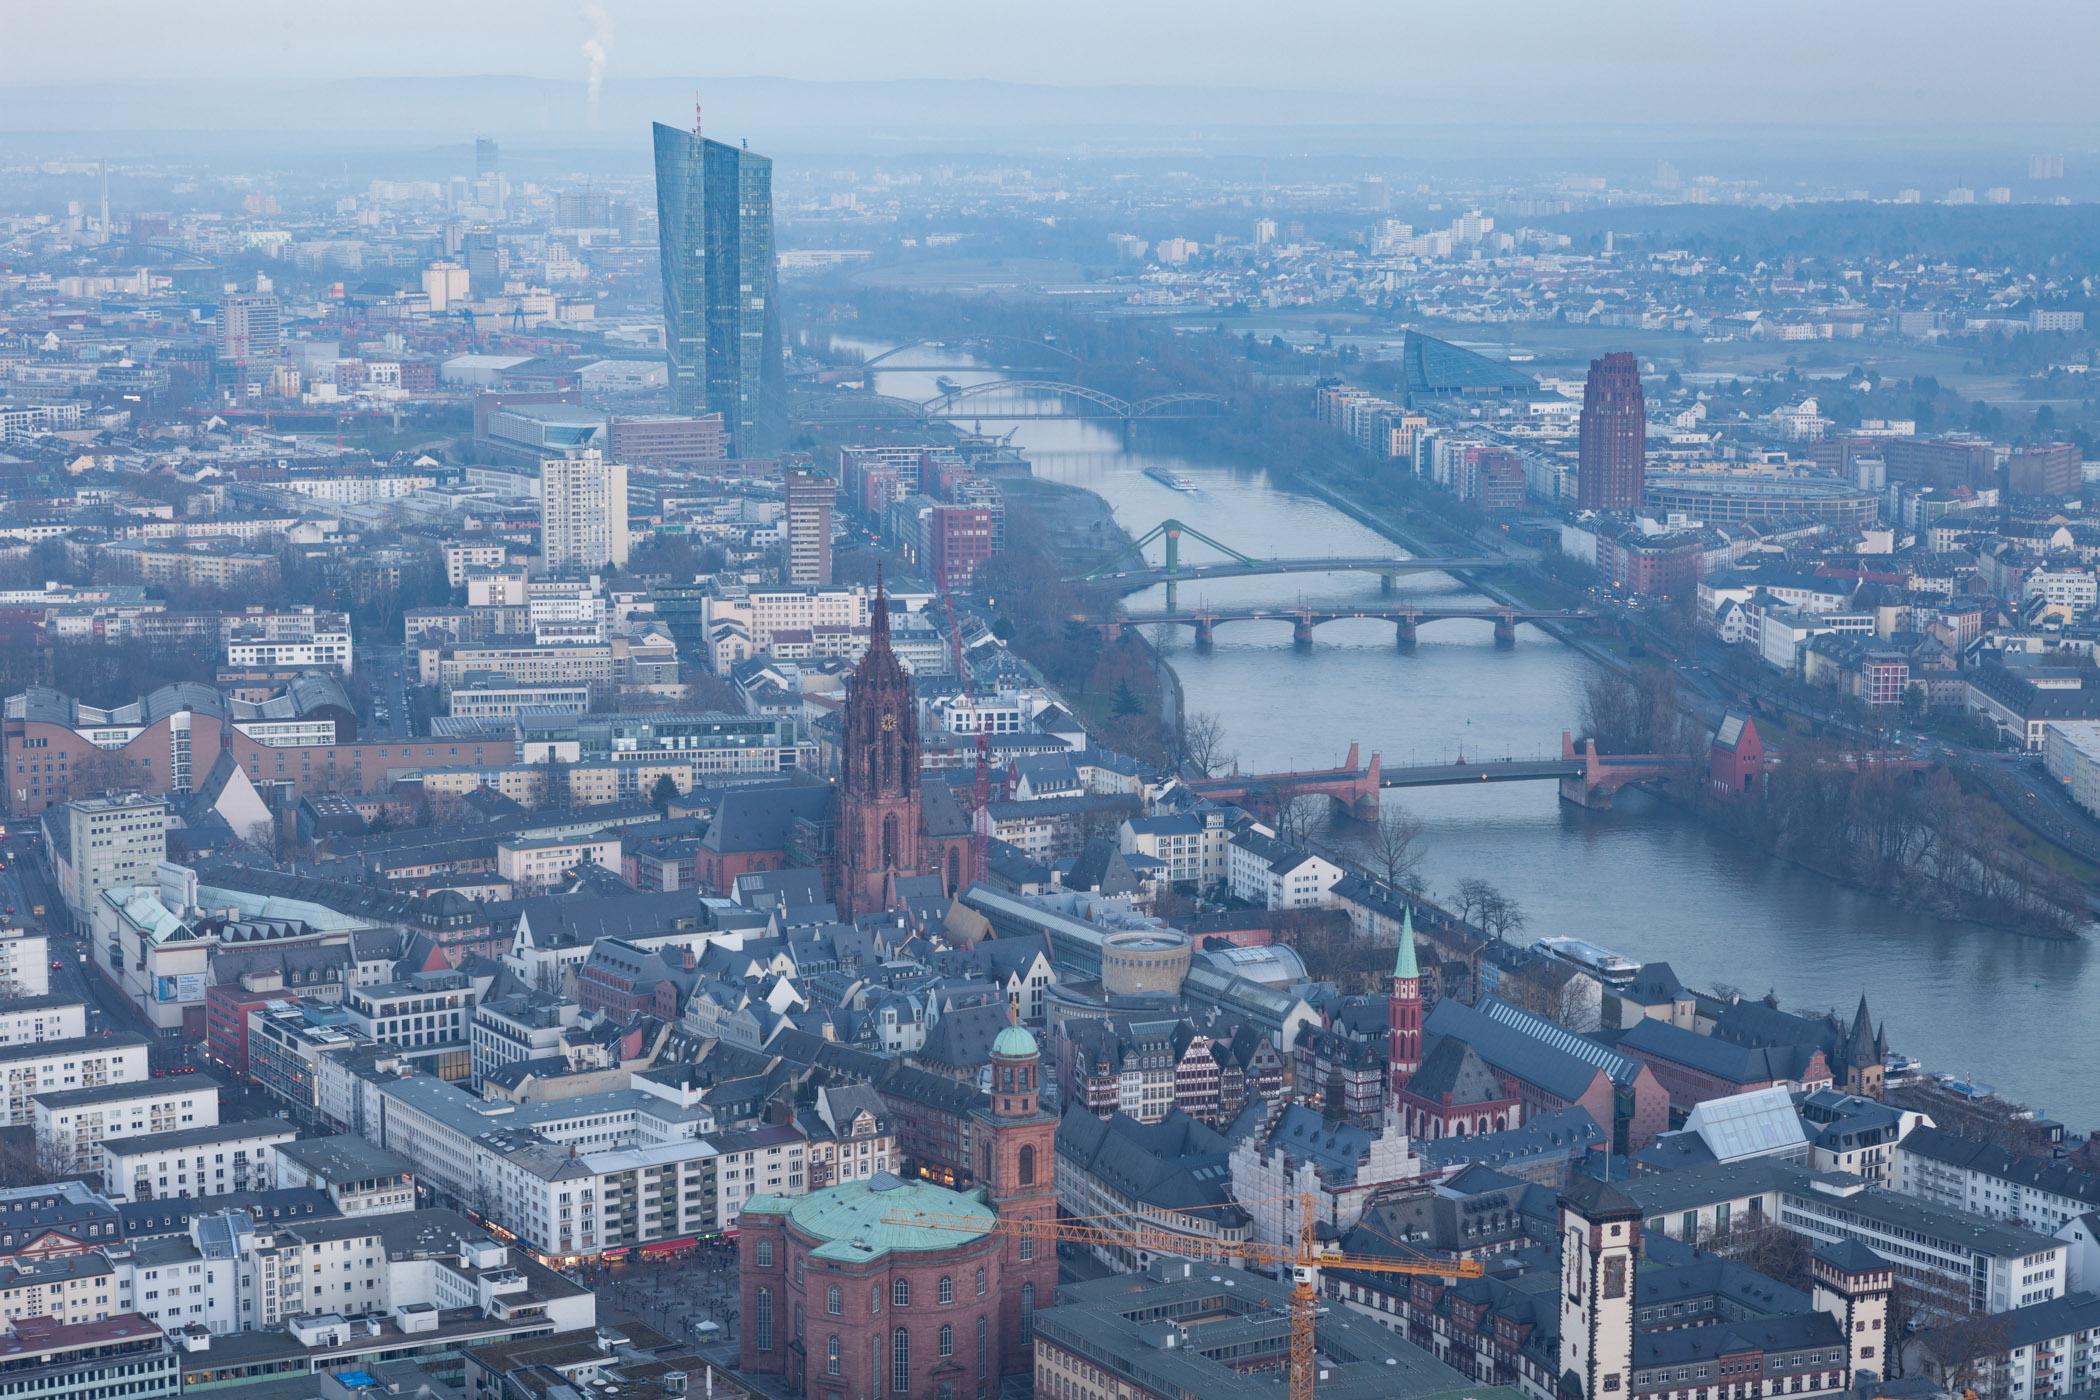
(714, 209)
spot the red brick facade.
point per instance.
(940, 1324)
(39, 757)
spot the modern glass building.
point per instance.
(714, 209)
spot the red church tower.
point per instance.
(1015, 1145)
(879, 817)
(1404, 1009)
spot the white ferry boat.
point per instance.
(1615, 972)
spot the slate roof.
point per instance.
(1737, 1064)
(963, 1037)
(1560, 1062)
(1175, 1164)
(2035, 1173)
(1454, 1073)
(1681, 1345)
(2014, 1328)
(1568, 1132)
(760, 818)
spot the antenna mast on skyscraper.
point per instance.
(696, 114)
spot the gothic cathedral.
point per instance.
(879, 817)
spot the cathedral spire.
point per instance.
(1404, 965)
(879, 616)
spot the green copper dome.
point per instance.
(1015, 1043)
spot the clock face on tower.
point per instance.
(889, 722)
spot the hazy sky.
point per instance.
(1662, 61)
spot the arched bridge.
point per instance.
(1407, 619)
(1101, 403)
(894, 357)
(1586, 777)
(1170, 533)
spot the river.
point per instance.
(1640, 878)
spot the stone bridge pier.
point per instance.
(1301, 634)
(1206, 633)
(1505, 631)
(1405, 630)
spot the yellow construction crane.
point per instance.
(1304, 1257)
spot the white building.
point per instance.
(30, 1020)
(53, 1066)
(100, 843)
(2069, 592)
(360, 1178)
(2071, 751)
(536, 863)
(1273, 874)
(583, 513)
(308, 639)
(567, 1206)
(72, 1124)
(742, 625)
(25, 969)
(211, 1160)
(1967, 1174)
(768, 1161)
(1192, 846)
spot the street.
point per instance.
(385, 669)
(26, 884)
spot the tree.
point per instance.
(663, 794)
(1298, 815)
(1203, 741)
(1481, 903)
(1396, 845)
(1765, 1245)
(1127, 701)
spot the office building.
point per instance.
(250, 328)
(668, 439)
(1613, 436)
(583, 513)
(106, 842)
(808, 551)
(714, 207)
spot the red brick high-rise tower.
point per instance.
(1015, 1144)
(1613, 436)
(879, 808)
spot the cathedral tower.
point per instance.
(879, 819)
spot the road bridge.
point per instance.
(1586, 778)
(1169, 533)
(1080, 400)
(1407, 619)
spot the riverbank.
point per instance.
(1123, 691)
(1637, 877)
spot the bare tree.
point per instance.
(1396, 846)
(1962, 1350)
(1766, 1246)
(1482, 904)
(1203, 741)
(1500, 915)
(1298, 815)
